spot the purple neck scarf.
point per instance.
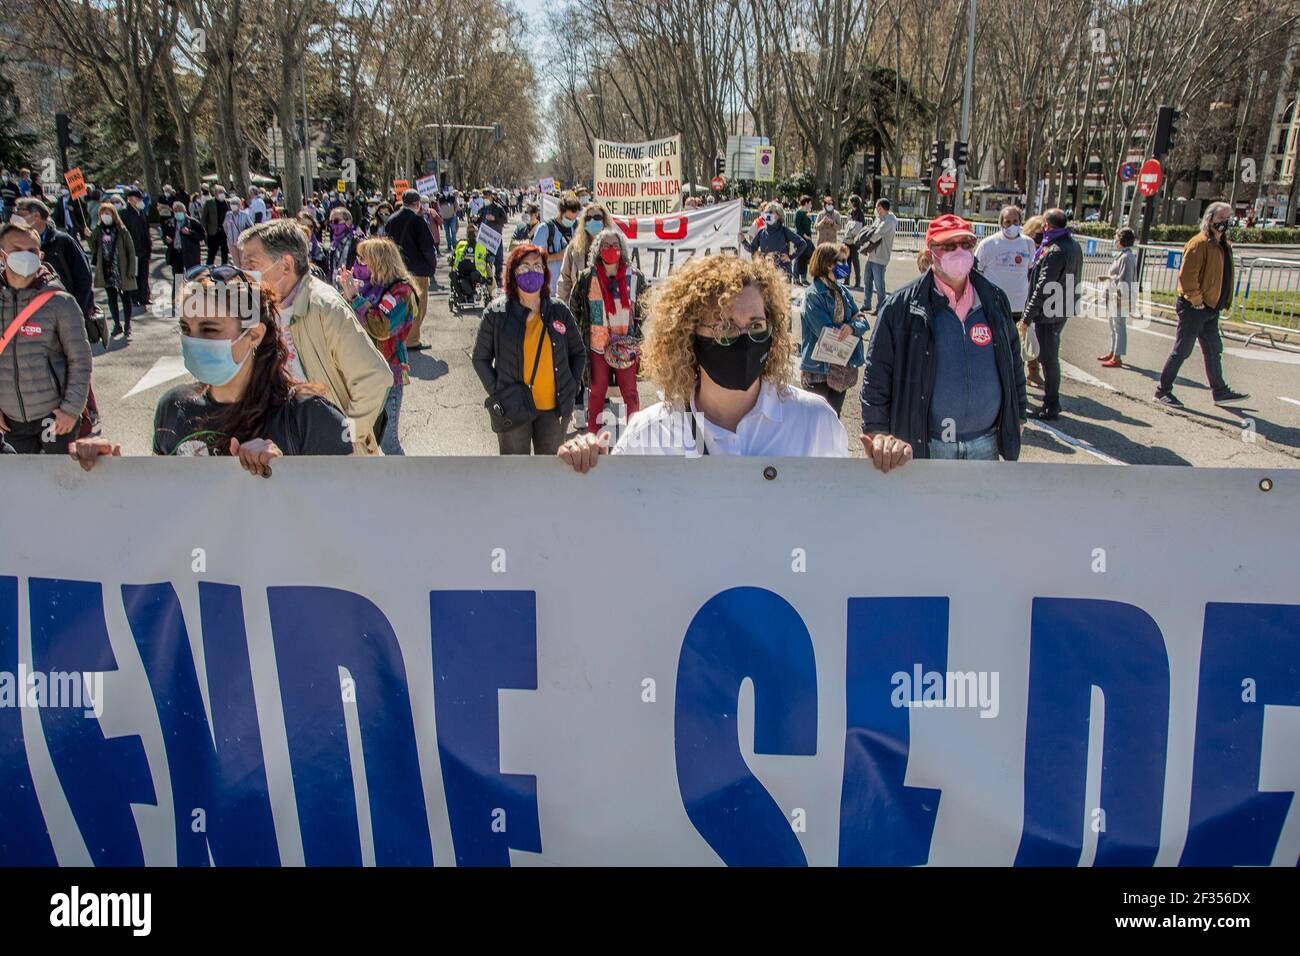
(1049, 237)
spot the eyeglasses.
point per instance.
(725, 333)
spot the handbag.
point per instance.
(513, 405)
(1032, 349)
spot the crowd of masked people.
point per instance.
(301, 345)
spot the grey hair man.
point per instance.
(326, 344)
(1204, 291)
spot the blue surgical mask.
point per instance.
(211, 361)
(841, 271)
(594, 227)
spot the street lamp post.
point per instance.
(958, 203)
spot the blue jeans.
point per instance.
(873, 276)
(392, 445)
(451, 227)
(980, 448)
(498, 259)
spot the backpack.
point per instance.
(555, 236)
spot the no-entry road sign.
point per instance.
(1150, 177)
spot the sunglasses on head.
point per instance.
(218, 273)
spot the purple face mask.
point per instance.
(338, 229)
(529, 282)
(361, 272)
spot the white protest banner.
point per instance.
(963, 673)
(639, 179)
(661, 243)
(489, 238)
(427, 185)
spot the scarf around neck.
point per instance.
(1050, 236)
(607, 289)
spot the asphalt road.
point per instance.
(1108, 416)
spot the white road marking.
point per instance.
(1078, 443)
(1293, 401)
(1079, 375)
(1265, 354)
(165, 369)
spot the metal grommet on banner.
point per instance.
(1266, 484)
(769, 473)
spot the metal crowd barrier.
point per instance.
(1267, 296)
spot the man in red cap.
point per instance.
(943, 375)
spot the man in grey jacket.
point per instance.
(45, 365)
(879, 245)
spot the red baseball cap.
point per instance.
(948, 227)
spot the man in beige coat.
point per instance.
(327, 345)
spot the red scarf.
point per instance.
(607, 291)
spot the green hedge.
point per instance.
(1170, 233)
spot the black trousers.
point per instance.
(1049, 359)
(855, 264)
(217, 241)
(142, 292)
(28, 438)
(835, 398)
(542, 436)
(1195, 325)
(119, 307)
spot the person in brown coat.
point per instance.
(1204, 290)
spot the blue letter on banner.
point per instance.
(315, 631)
(1232, 823)
(743, 632)
(24, 838)
(1075, 644)
(483, 641)
(225, 779)
(100, 777)
(883, 822)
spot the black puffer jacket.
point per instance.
(499, 349)
(898, 381)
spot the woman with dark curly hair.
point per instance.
(718, 346)
(245, 404)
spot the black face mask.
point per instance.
(736, 366)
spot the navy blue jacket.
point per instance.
(899, 377)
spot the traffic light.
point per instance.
(869, 167)
(496, 133)
(63, 132)
(959, 152)
(938, 153)
(1166, 130)
(719, 166)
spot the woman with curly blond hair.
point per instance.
(718, 347)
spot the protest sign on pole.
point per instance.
(765, 164)
(639, 179)
(400, 186)
(488, 238)
(661, 243)
(318, 692)
(547, 185)
(76, 182)
(426, 185)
